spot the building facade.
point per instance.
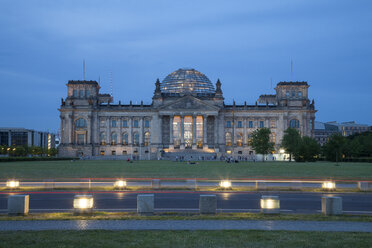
(323, 131)
(26, 137)
(187, 115)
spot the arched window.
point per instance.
(239, 139)
(114, 138)
(228, 139)
(80, 123)
(147, 138)
(125, 139)
(294, 123)
(102, 138)
(136, 139)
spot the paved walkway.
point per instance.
(336, 226)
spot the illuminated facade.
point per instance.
(187, 116)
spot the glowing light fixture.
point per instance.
(12, 184)
(282, 151)
(329, 185)
(120, 184)
(83, 203)
(270, 204)
(225, 184)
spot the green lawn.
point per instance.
(181, 239)
(153, 169)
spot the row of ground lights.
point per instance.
(122, 184)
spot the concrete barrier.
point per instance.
(145, 204)
(18, 204)
(155, 183)
(208, 204)
(270, 204)
(331, 205)
(191, 184)
(363, 186)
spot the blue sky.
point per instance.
(244, 43)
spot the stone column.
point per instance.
(171, 143)
(89, 129)
(10, 138)
(141, 123)
(130, 134)
(245, 132)
(182, 132)
(71, 129)
(194, 132)
(62, 131)
(108, 130)
(215, 131)
(205, 145)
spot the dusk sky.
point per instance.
(243, 43)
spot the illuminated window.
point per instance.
(114, 138)
(102, 153)
(81, 123)
(273, 138)
(147, 139)
(239, 139)
(125, 139)
(103, 138)
(136, 139)
(294, 123)
(228, 139)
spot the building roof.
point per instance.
(93, 82)
(297, 83)
(187, 80)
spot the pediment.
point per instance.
(188, 103)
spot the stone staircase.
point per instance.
(189, 155)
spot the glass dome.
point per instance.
(187, 80)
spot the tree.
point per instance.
(261, 142)
(308, 150)
(291, 141)
(52, 152)
(334, 148)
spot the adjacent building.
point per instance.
(187, 116)
(350, 127)
(26, 137)
(322, 132)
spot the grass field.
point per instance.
(165, 169)
(182, 239)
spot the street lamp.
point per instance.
(329, 185)
(225, 184)
(270, 204)
(120, 184)
(83, 203)
(12, 184)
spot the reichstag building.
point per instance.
(187, 118)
